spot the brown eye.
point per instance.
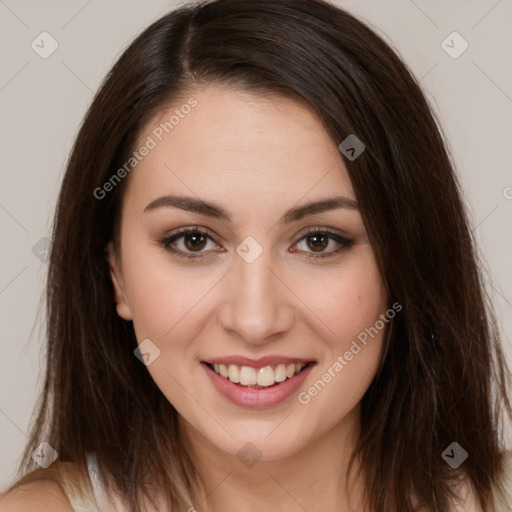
(318, 242)
(194, 240)
(188, 243)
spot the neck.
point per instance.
(313, 478)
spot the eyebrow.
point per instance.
(213, 210)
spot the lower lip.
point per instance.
(250, 397)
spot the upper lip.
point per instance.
(257, 363)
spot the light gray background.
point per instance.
(42, 103)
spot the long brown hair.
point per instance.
(442, 377)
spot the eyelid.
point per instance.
(324, 229)
(300, 235)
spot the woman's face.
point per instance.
(252, 296)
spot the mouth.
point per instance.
(263, 377)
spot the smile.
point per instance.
(262, 383)
(258, 378)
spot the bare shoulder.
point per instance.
(39, 491)
(41, 495)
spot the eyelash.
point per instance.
(167, 241)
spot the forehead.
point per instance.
(237, 147)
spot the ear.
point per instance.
(116, 275)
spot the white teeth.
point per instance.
(247, 376)
(280, 375)
(264, 377)
(234, 373)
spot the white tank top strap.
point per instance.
(92, 467)
(82, 500)
(103, 502)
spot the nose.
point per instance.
(257, 303)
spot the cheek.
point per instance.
(345, 300)
(349, 311)
(161, 295)
(169, 311)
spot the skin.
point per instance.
(256, 157)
